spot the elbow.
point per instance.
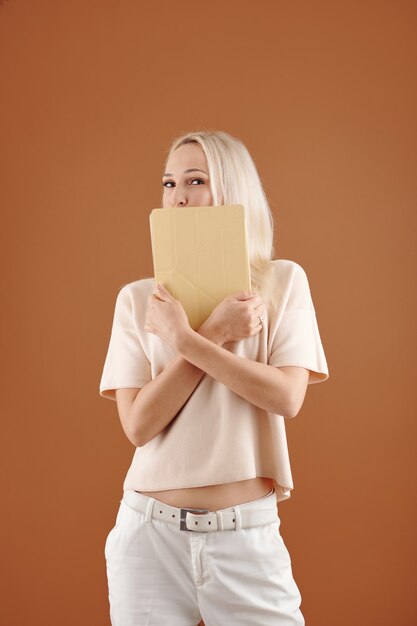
(138, 441)
(141, 437)
(138, 427)
(293, 407)
(142, 441)
(134, 438)
(296, 400)
(292, 413)
(138, 438)
(136, 435)
(287, 411)
(296, 406)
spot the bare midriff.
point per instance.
(215, 497)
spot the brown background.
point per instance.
(323, 94)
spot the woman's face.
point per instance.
(183, 187)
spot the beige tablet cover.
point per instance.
(200, 254)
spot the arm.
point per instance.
(146, 413)
(263, 385)
(234, 319)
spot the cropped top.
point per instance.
(217, 436)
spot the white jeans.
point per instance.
(159, 575)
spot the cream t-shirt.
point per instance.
(217, 436)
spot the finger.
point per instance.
(252, 305)
(254, 321)
(162, 292)
(259, 309)
(256, 329)
(257, 303)
(257, 322)
(153, 299)
(243, 295)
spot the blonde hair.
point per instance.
(235, 180)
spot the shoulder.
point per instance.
(292, 282)
(137, 288)
(134, 295)
(286, 270)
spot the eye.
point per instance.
(168, 183)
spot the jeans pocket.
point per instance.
(129, 537)
(109, 540)
(278, 540)
(114, 530)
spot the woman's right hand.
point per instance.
(236, 317)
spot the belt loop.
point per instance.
(149, 508)
(219, 520)
(238, 517)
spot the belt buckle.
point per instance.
(183, 515)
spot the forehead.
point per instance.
(190, 154)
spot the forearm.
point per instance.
(164, 396)
(260, 384)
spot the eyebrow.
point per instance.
(195, 169)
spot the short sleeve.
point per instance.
(297, 340)
(126, 364)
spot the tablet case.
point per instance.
(200, 254)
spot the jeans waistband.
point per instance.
(253, 513)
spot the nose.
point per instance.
(179, 197)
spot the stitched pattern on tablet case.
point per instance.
(201, 255)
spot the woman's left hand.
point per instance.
(166, 317)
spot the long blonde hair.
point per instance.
(235, 180)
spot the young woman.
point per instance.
(205, 410)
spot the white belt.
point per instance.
(200, 520)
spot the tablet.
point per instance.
(200, 254)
